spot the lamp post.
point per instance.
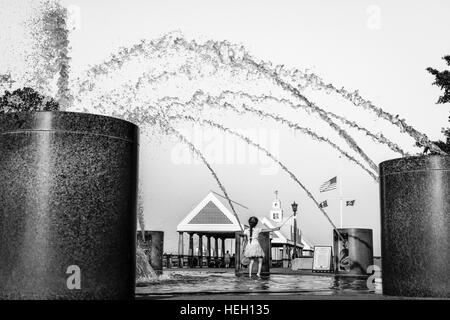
(294, 208)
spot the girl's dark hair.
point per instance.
(253, 221)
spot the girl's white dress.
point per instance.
(253, 248)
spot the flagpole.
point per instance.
(323, 188)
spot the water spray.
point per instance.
(355, 98)
(51, 39)
(198, 153)
(379, 137)
(199, 99)
(295, 92)
(250, 142)
(231, 55)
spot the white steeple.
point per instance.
(276, 213)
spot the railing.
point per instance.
(176, 261)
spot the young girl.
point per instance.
(253, 249)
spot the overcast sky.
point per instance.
(380, 48)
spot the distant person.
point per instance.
(233, 260)
(227, 259)
(253, 249)
(295, 253)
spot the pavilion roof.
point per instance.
(214, 215)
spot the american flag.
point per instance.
(329, 185)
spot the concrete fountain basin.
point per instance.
(415, 226)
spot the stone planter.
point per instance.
(415, 226)
(357, 256)
(153, 244)
(68, 185)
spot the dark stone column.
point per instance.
(415, 226)
(209, 249)
(191, 250)
(67, 206)
(238, 236)
(200, 250)
(356, 255)
(223, 248)
(180, 248)
(285, 257)
(216, 247)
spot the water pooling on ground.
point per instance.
(182, 282)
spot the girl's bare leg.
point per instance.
(250, 267)
(259, 266)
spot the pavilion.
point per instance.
(211, 220)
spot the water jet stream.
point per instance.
(132, 90)
(216, 48)
(140, 209)
(268, 153)
(310, 133)
(51, 40)
(379, 137)
(123, 55)
(198, 153)
(295, 92)
(200, 99)
(356, 99)
(232, 56)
